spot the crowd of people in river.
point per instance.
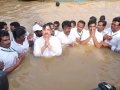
(50, 40)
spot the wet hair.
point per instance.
(19, 31)
(81, 21)
(102, 18)
(66, 24)
(15, 24)
(93, 18)
(116, 19)
(57, 22)
(74, 22)
(3, 33)
(2, 24)
(4, 85)
(91, 22)
(104, 22)
(45, 25)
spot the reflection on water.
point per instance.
(80, 68)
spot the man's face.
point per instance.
(5, 42)
(55, 26)
(80, 27)
(67, 30)
(72, 25)
(22, 38)
(47, 32)
(38, 33)
(115, 26)
(12, 28)
(100, 26)
(92, 27)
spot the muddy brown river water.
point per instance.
(79, 68)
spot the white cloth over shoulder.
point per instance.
(56, 49)
(8, 56)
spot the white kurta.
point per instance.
(115, 41)
(64, 39)
(98, 36)
(20, 48)
(75, 34)
(56, 49)
(8, 56)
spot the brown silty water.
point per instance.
(78, 68)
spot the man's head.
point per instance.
(47, 31)
(3, 26)
(93, 18)
(102, 18)
(66, 25)
(115, 26)
(14, 25)
(52, 27)
(73, 23)
(4, 39)
(19, 34)
(92, 25)
(56, 25)
(80, 25)
(101, 25)
(37, 30)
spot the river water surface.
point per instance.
(79, 68)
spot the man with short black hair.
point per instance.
(92, 37)
(47, 45)
(8, 56)
(77, 32)
(64, 36)
(20, 43)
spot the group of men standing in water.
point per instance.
(49, 40)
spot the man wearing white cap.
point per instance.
(37, 31)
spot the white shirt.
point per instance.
(8, 56)
(115, 41)
(54, 42)
(56, 32)
(98, 36)
(20, 48)
(64, 39)
(108, 31)
(75, 34)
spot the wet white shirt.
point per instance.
(56, 32)
(75, 34)
(8, 56)
(98, 36)
(64, 39)
(20, 48)
(56, 49)
(115, 41)
(108, 31)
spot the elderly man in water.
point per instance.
(47, 45)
